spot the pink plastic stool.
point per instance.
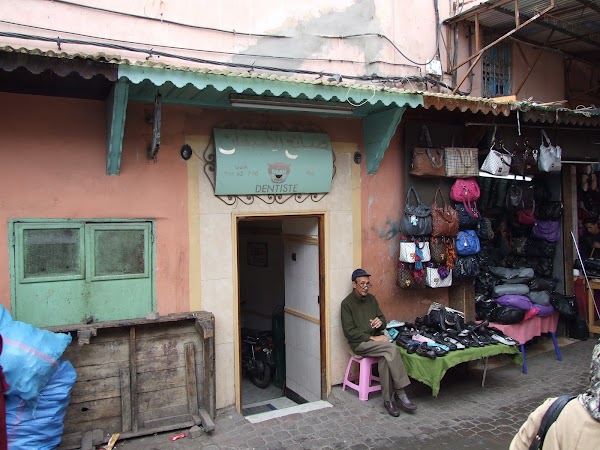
(365, 376)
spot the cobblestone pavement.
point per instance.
(463, 416)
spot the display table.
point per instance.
(431, 371)
(593, 325)
(527, 330)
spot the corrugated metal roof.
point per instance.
(211, 87)
(575, 23)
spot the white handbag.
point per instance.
(549, 159)
(433, 279)
(496, 162)
(408, 251)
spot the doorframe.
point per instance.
(324, 320)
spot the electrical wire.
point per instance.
(152, 52)
(161, 20)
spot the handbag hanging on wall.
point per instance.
(414, 250)
(444, 218)
(441, 249)
(426, 160)
(525, 158)
(461, 162)
(408, 277)
(438, 277)
(417, 218)
(466, 266)
(467, 243)
(497, 161)
(549, 159)
(548, 230)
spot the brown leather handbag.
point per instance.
(444, 218)
(427, 161)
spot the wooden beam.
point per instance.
(378, 130)
(504, 36)
(589, 4)
(116, 108)
(477, 34)
(534, 64)
(547, 18)
(477, 10)
(518, 44)
(517, 14)
(467, 74)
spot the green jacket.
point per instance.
(356, 313)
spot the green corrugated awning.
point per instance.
(379, 108)
(212, 88)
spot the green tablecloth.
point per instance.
(431, 371)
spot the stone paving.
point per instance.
(463, 416)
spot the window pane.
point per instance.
(119, 252)
(51, 252)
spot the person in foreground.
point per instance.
(577, 426)
(363, 324)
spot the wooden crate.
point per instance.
(138, 377)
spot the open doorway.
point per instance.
(281, 326)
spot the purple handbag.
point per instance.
(548, 230)
(516, 301)
(544, 310)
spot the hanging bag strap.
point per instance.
(424, 138)
(439, 191)
(432, 159)
(545, 136)
(548, 419)
(412, 189)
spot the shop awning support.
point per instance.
(378, 129)
(116, 107)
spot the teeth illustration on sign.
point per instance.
(278, 172)
(227, 152)
(289, 155)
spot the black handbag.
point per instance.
(543, 284)
(484, 309)
(548, 210)
(417, 218)
(564, 305)
(484, 229)
(466, 220)
(543, 267)
(465, 267)
(507, 315)
(541, 248)
(485, 282)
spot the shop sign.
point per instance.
(257, 162)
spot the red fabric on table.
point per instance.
(525, 331)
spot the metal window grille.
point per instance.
(495, 70)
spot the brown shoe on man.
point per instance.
(404, 403)
(391, 408)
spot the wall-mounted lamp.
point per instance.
(357, 157)
(186, 152)
(290, 104)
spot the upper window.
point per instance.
(495, 70)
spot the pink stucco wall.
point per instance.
(54, 166)
(383, 198)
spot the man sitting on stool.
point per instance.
(363, 324)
